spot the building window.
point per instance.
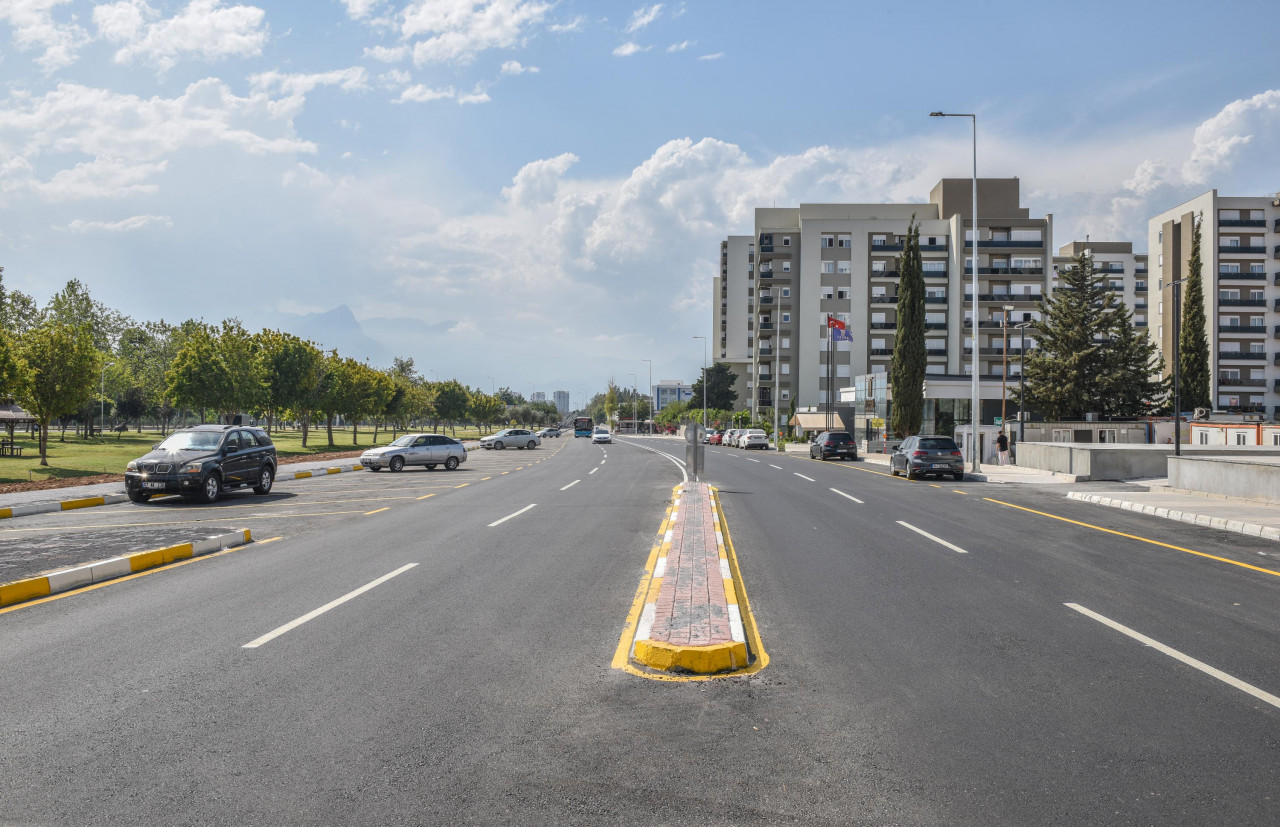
(828, 267)
(786, 241)
(1107, 435)
(846, 241)
(786, 343)
(939, 266)
(828, 241)
(786, 318)
(786, 394)
(842, 293)
(1240, 439)
(785, 368)
(786, 266)
(828, 292)
(845, 267)
(1204, 438)
(878, 266)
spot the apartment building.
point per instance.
(734, 297)
(842, 259)
(538, 396)
(666, 391)
(1240, 267)
(1125, 273)
(562, 401)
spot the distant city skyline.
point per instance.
(478, 184)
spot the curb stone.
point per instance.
(85, 574)
(1237, 526)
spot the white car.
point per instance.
(601, 435)
(511, 438)
(754, 438)
(416, 449)
(731, 437)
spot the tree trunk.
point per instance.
(376, 423)
(44, 442)
(355, 431)
(306, 426)
(329, 426)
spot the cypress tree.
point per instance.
(1193, 346)
(906, 371)
(1063, 370)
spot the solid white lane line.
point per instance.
(753, 460)
(603, 461)
(509, 516)
(1176, 655)
(937, 540)
(570, 485)
(847, 496)
(311, 615)
(593, 470)
(803, 477)
(779, 467)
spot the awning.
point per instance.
(814, 421)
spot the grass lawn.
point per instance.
(79, 457)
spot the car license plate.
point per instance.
(153, 485)
(939, 465)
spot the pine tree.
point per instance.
(1062, 372)
(1130, 383)
(1193, 344)
(906, 371)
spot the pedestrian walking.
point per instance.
(1002, 449)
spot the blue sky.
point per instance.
(535, 191)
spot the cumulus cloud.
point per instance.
(205, 29)
(643, 16)
(456, 30)
(34, 27)
(680, 47)
(629, 49)
(360, 9)
(351, 79)
(537, 181)
(387, 54)
(577, 24)
(514, 67)
(420, 93)
(124, 225)
(476, 96)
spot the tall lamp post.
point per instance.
(635, 393)
(1177, 359)
(975, 416)
(1022, 377)
(704, 380)
(102, 399)
(1004, 363)
(650, 394)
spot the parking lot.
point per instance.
(41, 542)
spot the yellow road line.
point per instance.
(482, 479)
(958, 491)
(1136, 537)
(60, 595)
(464, 485)
(426, 496)
(377, 510)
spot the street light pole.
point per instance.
(975, 413)
(1177, 359)
(635, 392)
(1022, 378)
(704, 380)
(650, 395)
(1004, 365)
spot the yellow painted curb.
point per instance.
(301, 475)
(702, 660)
(6, 513)
(86, 502)
(23, 590)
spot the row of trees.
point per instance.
(72, 355)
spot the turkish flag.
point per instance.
(834, 323)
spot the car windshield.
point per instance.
(192, 441)
(839, 438)
(407, 439)
(939, 444)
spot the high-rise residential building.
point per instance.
(666, 391)
(732, 293)
(562, 401)
(538, 396)
(1122, 271)
(841, 260)
(1239, 238)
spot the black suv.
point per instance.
(834, 444)
(202, 462)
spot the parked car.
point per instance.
(729, 437)
(549, 432)
(202, 462)
(601, 435)
(830, 444)
(511, 437)
(416, 449)
(754, 438)
(716, 437)
(927, 455)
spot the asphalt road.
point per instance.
(909, 683)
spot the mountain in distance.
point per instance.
(338, 328)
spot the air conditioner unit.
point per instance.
(1201, 413)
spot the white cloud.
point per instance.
(476, 96)
(33, 27)
(514, 67)
(358, 9)
(577, 24)
(204, 29)
(387, 54)
(1222, 137)
(643, 16)
(456, 30)
(629, 49)
(420, 93)
(352, 79)
(680, 47)
(124, 225)
(100, 178)
(537, 181)
(394, 78)
(713, 56)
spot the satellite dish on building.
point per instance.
(1201, 413)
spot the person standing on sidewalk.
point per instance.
(1002, 449)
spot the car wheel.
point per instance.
(498, 445)
(431, 466)
(451, 464)
(893, 470)
(397, 463)
(211, 490)
(373, 467)
(139, 496)
(911, 473)
(958, 476)
(532, 445)
(265, 478)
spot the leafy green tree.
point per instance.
(1062, 371)
(719, 380)
(72, 305)
(451, 402)
(906, 371)
(237, 349)
(510, 397)
(1193, 344)
(610, 402)
(1129, 383)
(132, 405)
(62, 365)
(198, 379)
(290, 368)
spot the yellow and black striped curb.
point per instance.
(112, 499)
(89, 573)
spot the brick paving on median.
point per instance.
(692, 608)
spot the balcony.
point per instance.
(935, 299)
(1242, 222)
(933, 248)
(1139, 287)
(1006, 297)
(1139, 324)
(1242, 354)
(884, 325)
(886, 247)
(934, 274)
(935, 325)
(1242, 302)
(1240, 382)
(941, 351)
(1003, 243)
(766, 352)
(885, 274)
(1006, 271)
(988, 323)
(766, 299)
(1139, 305)
(766, 248)
(1109, 270)
(1258, 276)
(881, 298)
(1245, 328)
(881, 351)
(1231, 249)
(764, 379)
(1256, 407)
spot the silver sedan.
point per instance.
(416, 449)
(511, 438)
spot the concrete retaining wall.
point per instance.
(1119, 462)
(1251, 479)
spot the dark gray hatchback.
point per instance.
(837, 444)
(927, 455)
(202, 462)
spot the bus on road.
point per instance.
(582, 426)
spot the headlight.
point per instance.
(132, 466)
(191, 468)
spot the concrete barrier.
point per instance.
(1248, 478)
(1120, 461)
